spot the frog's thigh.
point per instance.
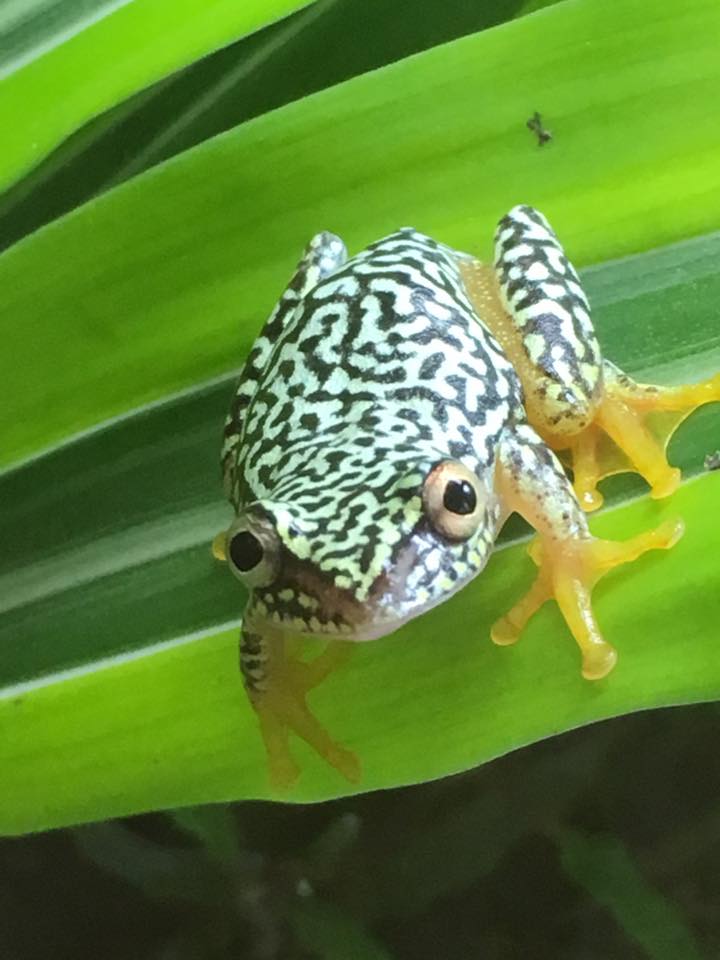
(541, 315)
(530, 480)
(277, 687)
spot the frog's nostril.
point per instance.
(246, 551)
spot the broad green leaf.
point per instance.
(119, 688)
(66, 66)
(340, 38)
(170, 725)
(125, 516)
(164, 281)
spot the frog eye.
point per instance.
(453, 500)
(245, 551)
(252, 553)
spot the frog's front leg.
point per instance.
(531, 481)
(277, 687)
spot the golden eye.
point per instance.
(453, 500)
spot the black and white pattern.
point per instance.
(542, 291)
(324, 254)
(361, 381)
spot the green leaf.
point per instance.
(339, 38)
(118, 633)
(120, 687)
(165, 281)
(603, 866)
(66, 66)
(125, 516)
(169, 725)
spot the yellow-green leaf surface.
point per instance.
(173, 726)
(322, 45)
(119, 688)
(61, 79)
(165, 280)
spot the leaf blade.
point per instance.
(48, 97)
(171, 726)
(327, 163)
(163, 720)
(107, 538)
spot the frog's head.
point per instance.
(360, 560)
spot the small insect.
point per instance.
(396, 408)
(712, 461)
(536, 125)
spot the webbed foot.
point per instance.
(632, 427)
(568, 571)
(278, 688)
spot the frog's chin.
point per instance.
(375, 629)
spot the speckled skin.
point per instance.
(368, 373)
(541, 291)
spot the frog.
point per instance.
(396, 408)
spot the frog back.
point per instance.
(385, 353)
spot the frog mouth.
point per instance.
(394, 599)
(391, 604)
(382, 626)
(303, 601)
(339, 615)
(338, 611)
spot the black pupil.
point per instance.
(246, 551)
(459, 497)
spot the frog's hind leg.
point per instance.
(632, 427)
(325, 254)
(531, 481)
(533, 302)
(277, 687)
(579, 403)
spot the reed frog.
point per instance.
(394, 410)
